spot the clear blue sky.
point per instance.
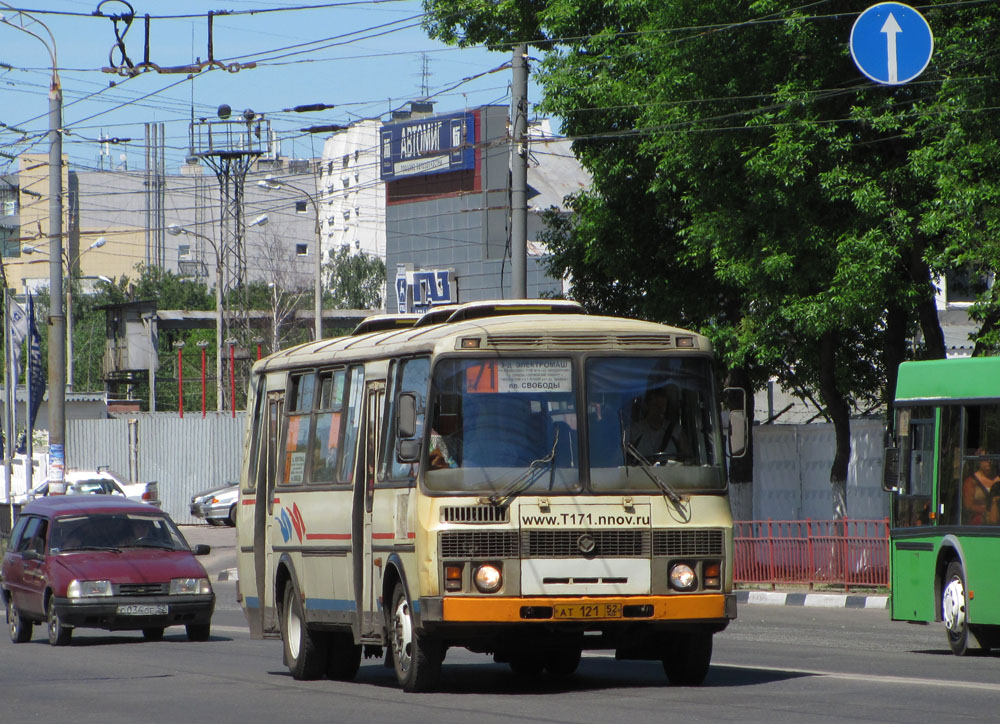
(364, 57)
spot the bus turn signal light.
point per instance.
(453, 577)
(711, 574)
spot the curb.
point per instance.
(819, 600)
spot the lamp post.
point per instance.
(69, 302)
(176, 230)
(179, 346)
(57, 321)
(272, 185)
(202, 344)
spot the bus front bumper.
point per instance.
(680, 608)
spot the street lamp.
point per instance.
(69, 301)
(57, 321)
(176, 230)
(272, 185)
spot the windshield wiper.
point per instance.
(164, 546)
(645, 465)
(113, 549)
(527, 478)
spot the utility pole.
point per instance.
(519, 174)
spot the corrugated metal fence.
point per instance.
(184, 455)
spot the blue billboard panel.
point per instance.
(438, 144)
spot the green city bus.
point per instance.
(942, 473)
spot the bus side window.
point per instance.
(355, 400)
(328, 428)
(949, 470)
(297, 437)
(913, 504)
(414, 378)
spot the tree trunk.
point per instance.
(893, 354)
(840, 414)
(930, 325)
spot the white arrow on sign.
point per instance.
(891, 28)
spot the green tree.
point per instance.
(354, 281)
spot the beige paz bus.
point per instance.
(517, 478)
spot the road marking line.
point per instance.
(910, 681)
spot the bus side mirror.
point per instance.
(406, 418)
(738, 432)
(408, 451)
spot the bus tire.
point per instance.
(416, 657)
(344, 657)
(687, 658)
(954, 609)
(562, 662)
(305, 652)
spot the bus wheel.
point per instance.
(344, 656)
(415, 656)
(687, 658)
(561, 663)
(304, 650)
(954, 609)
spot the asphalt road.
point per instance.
(775, 664)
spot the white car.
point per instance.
(217, 507)
(101, 482)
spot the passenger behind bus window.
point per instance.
(446, 443)
(657, 433)
(981, 494)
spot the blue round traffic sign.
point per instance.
(891, 43)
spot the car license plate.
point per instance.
(588, 610)
(142, 609)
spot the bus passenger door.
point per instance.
(264, 513)
(371, 578)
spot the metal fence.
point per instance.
(847, 553)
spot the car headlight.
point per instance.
(190, 586)
(488, 578)
(87, 589)
(682, 577)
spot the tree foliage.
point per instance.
(354, 281)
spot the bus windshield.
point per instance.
(498, 423)
(652, 417)
(503, 426)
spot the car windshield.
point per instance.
(111, 531)
(502, 426)
(652, 417)
(99, 486)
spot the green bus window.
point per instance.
(912, 507)
(980, 478)
(949, 470)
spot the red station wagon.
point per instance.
(101, 561)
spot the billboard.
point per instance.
(437, 144)
(419, 290)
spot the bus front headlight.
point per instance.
(682, 577)
(488, 578)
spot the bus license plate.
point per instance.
(139, 609)
(588, 610)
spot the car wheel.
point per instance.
(954, 609)
(20, 629)
(687, 658)
(415, 656)
(153, 634)
(305, 650)
(231, 520)
(59, 633)
(211, 521)
(344, 657)
(198, 631)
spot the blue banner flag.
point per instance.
(35, 371)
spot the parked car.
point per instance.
(102, 561)
(217, 505)
(101, 481)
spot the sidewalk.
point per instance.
(819, 600)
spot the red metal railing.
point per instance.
(840, 553)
